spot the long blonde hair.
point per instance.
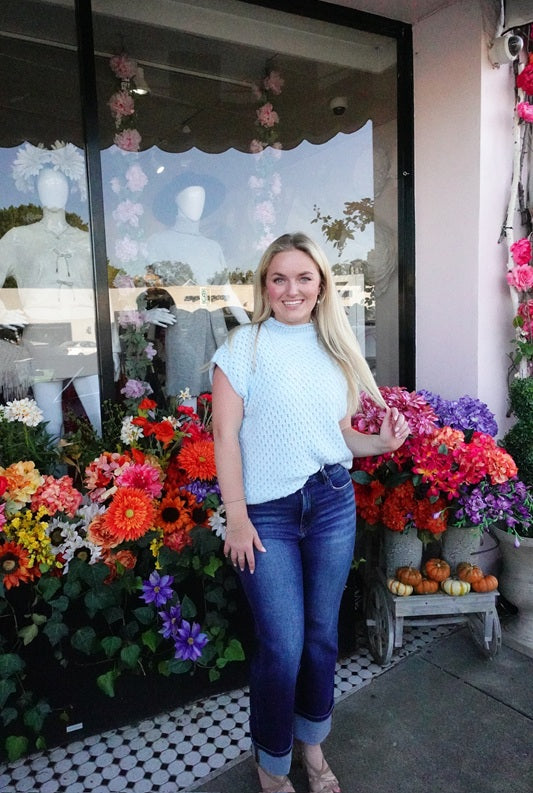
(329, 317)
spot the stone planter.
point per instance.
(516, 586)
(401, 549)
(460, 545)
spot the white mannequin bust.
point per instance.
(191, 202)
(52, 188)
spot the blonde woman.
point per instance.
(284, 388)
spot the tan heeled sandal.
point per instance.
(321, 780)
(270, 783)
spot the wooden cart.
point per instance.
(386, 615)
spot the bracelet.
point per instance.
(236, 501)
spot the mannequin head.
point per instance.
(52, 187)
(191, 202)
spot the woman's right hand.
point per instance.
(241, 539)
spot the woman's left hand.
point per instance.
(394, 429)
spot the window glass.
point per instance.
(248, 130)
(47, 317)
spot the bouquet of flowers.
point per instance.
(449, 472)
(135, 547)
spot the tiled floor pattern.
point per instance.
(173, 751)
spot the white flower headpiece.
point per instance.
(63, 157)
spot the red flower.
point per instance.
(147, 404)
(130, 514)
(525, 79)
(164, 432)
(198, 460)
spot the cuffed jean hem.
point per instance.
(280, 766)
(311, 732)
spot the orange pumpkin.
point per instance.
(409, 575)
(486, 584)
(469, 572)
(426, 587)
(437, 569)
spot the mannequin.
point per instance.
(190, 257)
(51, 262)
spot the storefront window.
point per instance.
(47, 316)
(222, 125)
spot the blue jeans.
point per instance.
(295, 596)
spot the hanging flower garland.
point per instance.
(520, 258)
(266, 147)
(122, 103)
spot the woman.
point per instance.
(284, 388)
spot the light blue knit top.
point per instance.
(294, 397)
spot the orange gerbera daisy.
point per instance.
(198, 459)
(131, 513)
(14, 565)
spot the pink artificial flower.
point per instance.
(115, 185)
(521, 251)
(525, 111)
(57, 495)
(128, 212)
(143, 476)
(136, 178)
(274, 83)
(126, 249)
(150, 351)
(525, 79)
(265, 213)
(256, 91)
(256, 147)
(100, 474)
(266, 115)
(521, 277)
(3, 519)
(121, 104)
(131, 317)
(255, 183)
(275, 184)
(525, 312)
(123, 281)
(128, 140)
(124, 67)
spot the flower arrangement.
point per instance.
(449, 472)
(118, 562)
(266, 147)
(122, 103)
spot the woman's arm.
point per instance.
(394, 431)
(241, 536)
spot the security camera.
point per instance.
(505, 48)
(338, 105)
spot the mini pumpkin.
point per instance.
(454, 587)
(409, 575)
(486, 584)
(437, 569)
(469, 572)
(397, 588)
(426, 587)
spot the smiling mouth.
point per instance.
(292, 302)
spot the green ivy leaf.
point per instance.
(8, 715)
(163, 667)
(38, 619)
(7, 687)
(178, 667)
(16, 746)
(97, 600)
(151, 640)
(188, 608)
(48, 587)
(72, 587)
(40, 743)
(28, 633)
(10, 664)
(55, 630)
(106, 682)
(111, 645)
(144, 614)
(84, 640)
(217, 596)
(234, 651)
(214, 674)
(34, 717)
(114, 614)
(361, 477)
(130, 655)
(60, 604)
(212, 566)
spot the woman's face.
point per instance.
(292, 284)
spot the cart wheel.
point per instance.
(476, 623)
(379, 624)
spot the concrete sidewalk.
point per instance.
(445, 720)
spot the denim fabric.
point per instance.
(295, 595)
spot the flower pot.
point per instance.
(401, 549)
(460, 545)
(516, 586)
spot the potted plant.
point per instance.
(450, 476)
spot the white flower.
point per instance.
(28, 162)
(25, 410)
(73, 541)
(185, 394)
(173, 420)
(217, 521)
(66, 158)
(130, 432)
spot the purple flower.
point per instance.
(134, 389)
(157, 589)
(171, 621)
(463, 414)
(201, 489)
(189, 642)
